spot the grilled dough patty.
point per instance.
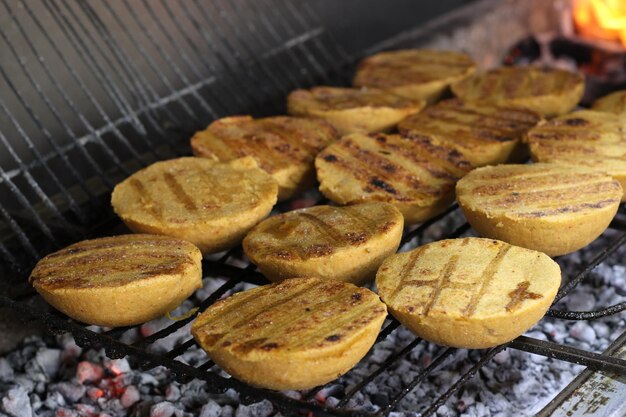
(583, 138)
(211, 205)
(415, 173)
(468, 293)
(414, 73)
(485, 134)
(353, 109)
(295, 334)
(337, 243)
(555, 209)
(549, 92)
(283, 146)
(120, 280)
(613, 103)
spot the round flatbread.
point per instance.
(583, 138)
(211, 205)
(417, 174)
(414, 73)
(485, 134)
(549, 92)
(468, 293)
(295, 334)
(353, 109)
(555, 209)
(283, 146)
(337, 243)
(120, 280)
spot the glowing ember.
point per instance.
(601, 19)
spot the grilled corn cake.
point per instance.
(353, 109)
(555, 209)
(414, 73)
(583, 138)
(209, 204)
(415, 173)
(549, 92)
(468, 293)
(295, 334)
(485, 134)
(613, 103)
(120, 280)
(338, 243)
(284, 147)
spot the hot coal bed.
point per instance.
(72, 374)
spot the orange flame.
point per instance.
(601, 19)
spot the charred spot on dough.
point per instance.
(356, 296)
(330, 158)
(577, 121)
(333, 338)
(378, 183)
(319, 250)
(356, 238)
(386, 226)
(270, 346)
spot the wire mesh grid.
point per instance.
(133, 82)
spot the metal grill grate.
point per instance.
(135, 80)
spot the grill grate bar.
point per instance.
(429, 369)
(73, 205)
(233, 90)
(602, 255)
(587, 315)
(167, 58)
(591, 360)
(143, 86)
(185, 58)
(55, 83)
(459, 383)
(51, 140)
(228, 285)
(84, 51)
(153, 66)
(17, 230)
(227, 69)
(382, 368)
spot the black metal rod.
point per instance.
(591, 360)
(587, 315)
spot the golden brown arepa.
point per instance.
(295, 334)
(549, 92)
(583, 138)
(417, 174)
(555, 209)
(213, 205)
(414, 73)
(468, 293)
(485, 134)
(353, 109)
(283, 146)
(336, 243)
(120, 280)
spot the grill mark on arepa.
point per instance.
(370, 226)
(538, 184)
(178, 191)
(406, 271)
(364, 173)
(242, 308)
(324, 228)
(148, 203)
(571, 209)
(487, 277)
(442, 282)
(278, 326)
(519, 294)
